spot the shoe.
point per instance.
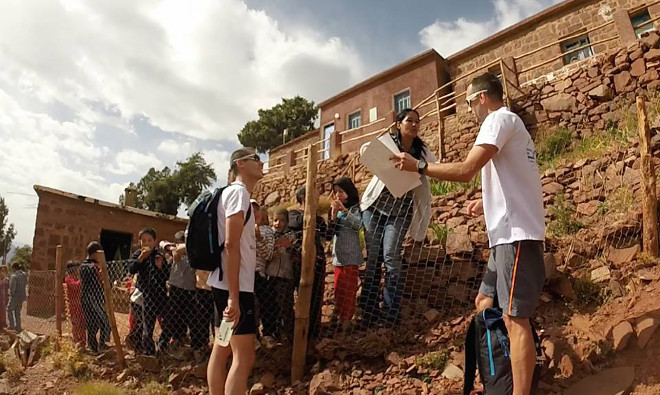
(269, 342)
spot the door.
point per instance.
(327, 131)
(117, 247)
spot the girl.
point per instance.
(386, 221)
(278, 316)
(345, 224)
(74, 294)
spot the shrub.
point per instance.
(563, 222)
(440, 232)
(436, 360)
(97, 388)
(155, 388)
(441, 188)
(552, 144)
(11, 366)
(71, 359)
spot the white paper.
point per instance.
(376, 157)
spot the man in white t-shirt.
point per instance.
(512, 201)
(233, 292)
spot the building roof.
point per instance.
(430, 53)
(42, 189)
(522, 25)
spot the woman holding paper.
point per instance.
(387, 219)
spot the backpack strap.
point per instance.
(470, 359)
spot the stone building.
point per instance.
(567, 33)
(72, 221)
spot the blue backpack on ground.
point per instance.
(487, 348)
(202, 243)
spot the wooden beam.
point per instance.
(649, 198)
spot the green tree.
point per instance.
(7, 231)
(23, 255)
(165, 190)
(297, 115)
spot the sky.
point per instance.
(93, 93)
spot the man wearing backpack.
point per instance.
(233, 282)
(513, 207)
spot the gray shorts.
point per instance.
(515, 277)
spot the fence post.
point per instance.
(107, 294)
(59, 291)
(441, 129)
(307, 272)
(509, 102)
(649, 199)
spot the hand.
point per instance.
(232, 311)
(475, 208)
(283, 242)
(404, 161)
(144, 253)
(335, 208)
(257, 232)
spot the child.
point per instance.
(17, 295)
(345, 224)
(278, 306)
(4, 295)
(73, 295)
(265, 237)
(153, 272)
(93, 301)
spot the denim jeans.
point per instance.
(384, 235)
(14, 313)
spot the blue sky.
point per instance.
(94, 93)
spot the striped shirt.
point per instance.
(265, 245)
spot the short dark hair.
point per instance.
(94, 247)
(238, 154)
(148, 231)
(300, 195)
(490, 83)
(180, 236)
(16, 266)
(283, 212)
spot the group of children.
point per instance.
(12, 295)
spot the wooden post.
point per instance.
(441, 129)
(107, 294)
(307, 272)
(59, 291)
(649, 199)
(509, 102)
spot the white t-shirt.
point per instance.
(234, 199)
(510, 181)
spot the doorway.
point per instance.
(117, 245)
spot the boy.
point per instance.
(153, 271)
(17, 295)
(93, 301)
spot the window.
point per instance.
(373, 114)
(573, 54)
(327, 131)
(638, 22)
(401, 101)
(355, 120)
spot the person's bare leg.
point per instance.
(483, 302)
(242, 347)
(523, 353)
(216, 371)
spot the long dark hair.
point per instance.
(418, 145)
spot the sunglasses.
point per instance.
(253, 157)
(473, 96)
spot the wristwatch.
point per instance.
(421, 166)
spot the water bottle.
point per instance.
(223, 332)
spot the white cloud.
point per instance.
(130, 161)
(450, 37)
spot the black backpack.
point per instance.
(202, 246)
(487, 347)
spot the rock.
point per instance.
(272, 198)
(552, 188)
(638, 68)
(651, 40)
(458, 241)
(560, 102)
(600, 275)
(562, 287)
(551, 261)
(148, 363)
(122, 376)
(199, 371)
(652, 55)
(621, 335)
(611, 381)
(393, 359)
(602, 92)
(432, 315)
(648, 275)
(323, 382)
(452, 372)
(268, 380)
(622, 81)
(175, 379)
(625, 255)
(589, 208)
(644, 329)
(653, 86)
(257, 389)
(566, 366)
(550, 348)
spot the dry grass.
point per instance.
(71, 359)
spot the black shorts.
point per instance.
(247, 324)
(515, 275)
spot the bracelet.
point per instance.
(341, 215)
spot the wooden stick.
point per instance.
(506, 89)
(649, 199)
(566, 53)
(59, 291)
(307, 273)
(105, 278)
(441, 130)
